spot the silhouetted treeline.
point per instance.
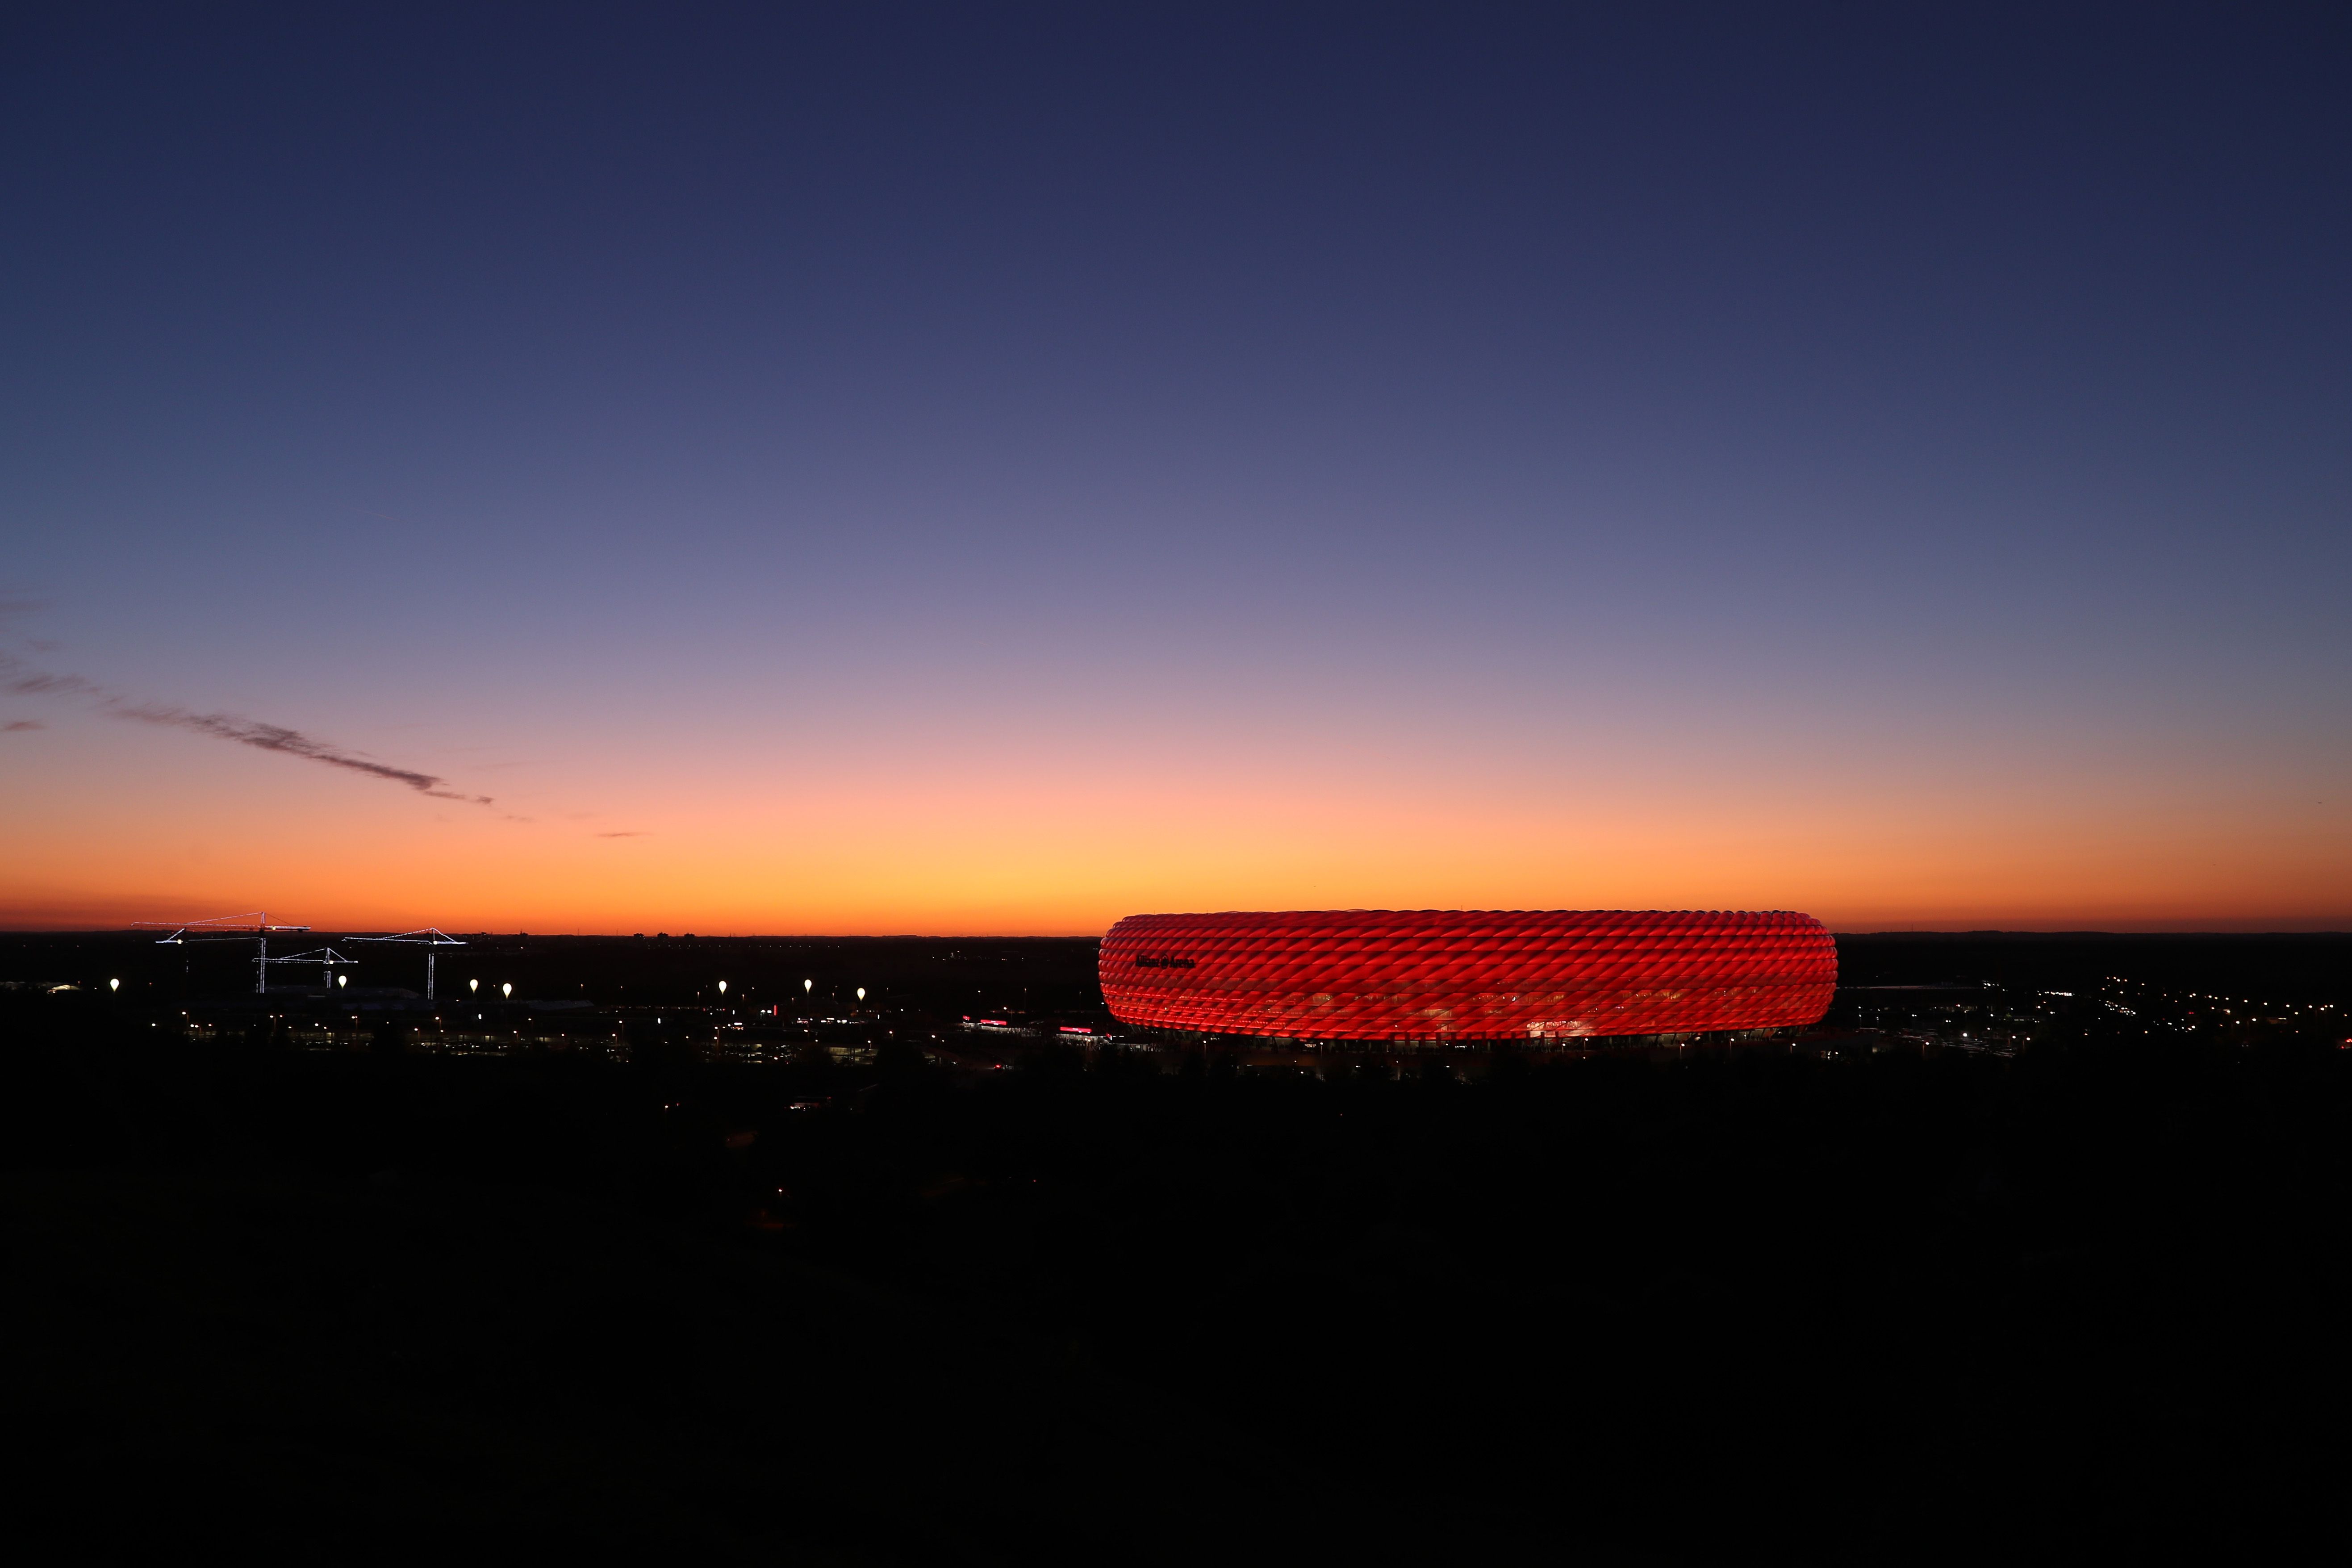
(945, 975)
(2273, 966)
(1665, 1305)
(950, 975)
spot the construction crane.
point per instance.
(255, 927)
(428, 938)
(325, 955)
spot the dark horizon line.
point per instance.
(1048, 936)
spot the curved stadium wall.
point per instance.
(1466, 974)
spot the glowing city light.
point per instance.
(507, 989)
(861, 994)
(722, 988)
(114, 985)
(473, 985)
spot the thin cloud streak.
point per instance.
(41, 683)
(293, 743)
(223, 727)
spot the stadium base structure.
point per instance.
(1412, 976)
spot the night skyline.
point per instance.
(941, 471)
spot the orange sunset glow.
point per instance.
(162, 826)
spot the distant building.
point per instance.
(1466, 974)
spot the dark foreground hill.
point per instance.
(1902, 1301)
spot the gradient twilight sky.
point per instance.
(974, 469)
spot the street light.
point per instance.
(807, 986)
(722, 988)
(473, 985)
(342, 979)
(114, 985)
(861, 994)
(507, 989)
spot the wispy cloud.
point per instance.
(22, 724)
(624, 835)
(16, 677)
(41, 683)
(292, 742)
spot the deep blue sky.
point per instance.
(1885, 443)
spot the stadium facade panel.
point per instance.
(1469, 974)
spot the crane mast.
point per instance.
(254, 925)
(428, 938)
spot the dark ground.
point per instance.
(1912, 1301)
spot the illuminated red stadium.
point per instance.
(1468, 974)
